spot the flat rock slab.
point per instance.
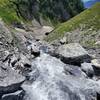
(73, 53)
(40, 33)
(9, 77)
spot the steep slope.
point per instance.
(50, 10)
(7, 13)
(85, 24)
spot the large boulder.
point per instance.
(10, 76)
(72, 53)
(10, 80)
(52, 83)
(14, 96)
(34, 48)
(88, 69)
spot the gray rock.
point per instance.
(88, 69)
(14, 59)
(63, 40)
(6, 55)
(53, 84)
(75, 71)
(96, 63)
(9, 76)
(5, 33)
(14, 96)
(34, 49)
(10, 80)
(24, 60)
(19, 41)
(20, 62)
(72, 53)
(1, 43)
(40, 33)
(46, 48)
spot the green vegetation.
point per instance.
(7, 13)
(55, 10)
(60, 10)
(89, 18)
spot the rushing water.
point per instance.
(49, 82)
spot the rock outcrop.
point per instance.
(72, 53)
(32, 69)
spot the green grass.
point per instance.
(7, 13)
(90, 18)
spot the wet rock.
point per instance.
(10, 88)
(14, 96)
(34, 49)
(9, 76)
(10, 80)
(40, 46)
(75, 71)
(33, 75)
(98, 96)
(72, 53)
(45, 48)
(36, 54)
(88, 69)
(53, 84)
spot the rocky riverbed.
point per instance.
(32, 69)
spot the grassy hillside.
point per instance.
(7, 13)
(88, 21)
